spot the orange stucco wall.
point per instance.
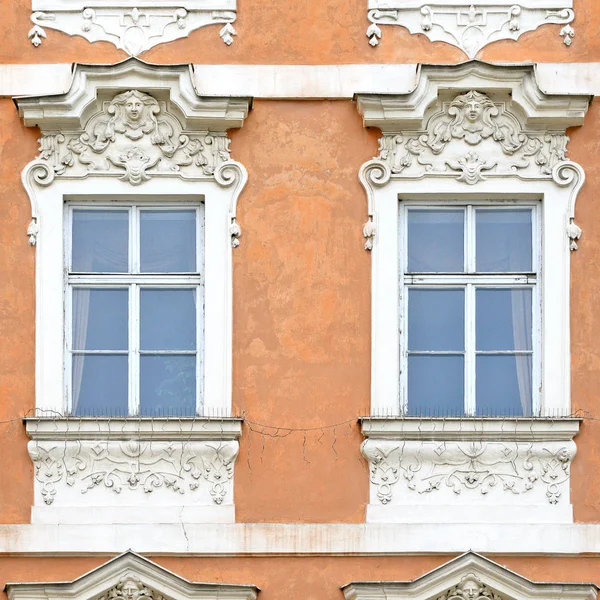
(301, 285)
(297, 577)
(301, 314)
(301, 32)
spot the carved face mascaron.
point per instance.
(131, 588)
(470, 587)
(133, 108)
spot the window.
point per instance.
(470, 301)
(135, 304)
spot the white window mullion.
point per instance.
(470, 357)
(134, 349)
(68, 367)
(134, 242)
(470, 239)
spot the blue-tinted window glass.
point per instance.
(503, 385)
(100, 320)
(100, 241)
(436, 241)
(503, 240)
(100, 385)
(503, 319)
(436, 319)
(167, 385)
(168, 241)
(435, 385)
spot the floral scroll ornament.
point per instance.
(134, 135)
(465, 468)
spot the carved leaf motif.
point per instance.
(472, 120)
(516, 468)
(134, 466)
(105, 145)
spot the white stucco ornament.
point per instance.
(470, 25)
(134, 28)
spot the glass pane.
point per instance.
(100, 241)
(503, 386)
(168, 241)
(503, 319)
(503, 240)
(100, 320)
(436, 319)
(168, 319)
(436, 386)
(100, 385)
(167, 385)
(436, 241)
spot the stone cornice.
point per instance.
(470, 428)
(185, 429)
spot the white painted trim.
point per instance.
(554, 282)
(471, 428)
(303, 82)
(50, 325)
(469, 568)
(103, 579)
(162, 429)
(272, 539)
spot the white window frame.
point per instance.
(554, 214)
(133, 280)
(52, 320)
(466, 281)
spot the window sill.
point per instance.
(464, 470)
(131, 470)
(140, 428)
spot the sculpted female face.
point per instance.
(473, 110)
(470, 588)
(130, 588)
(133, 108)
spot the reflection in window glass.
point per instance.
(168, 385)
(436, 385)
(168, 319)
(100, 385)
(503, 319)
(100, 241)
(436, 241)
(100, 320)
(436, 319)
(503, 240)
(168, 241)
(503, 385)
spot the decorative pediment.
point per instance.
(469, 577)
(473, 122)
(133, 121)
(132, 28)
(467, 25)
(129, 577)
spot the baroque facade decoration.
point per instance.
(467, 25)
(472, 131)
(466, 467)
(478, 465)
(468, 577)
(130, 576)
(132, 28)
(135, 466)
(79, 464)
(134, 135)
(472, 135)
(133, 131)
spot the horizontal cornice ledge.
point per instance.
(465, 429)
(407, 110)
(91, 85)
(168, 429)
